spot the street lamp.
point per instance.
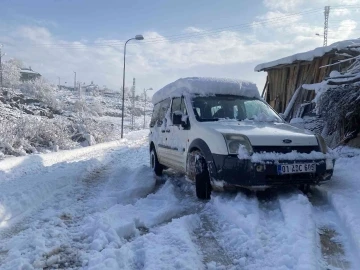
(137, 37)
(145, 105)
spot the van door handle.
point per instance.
(168, 130)
(163, 131)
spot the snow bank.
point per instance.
(343, 192)
(25, 182)
(125, 220)
(206, 86)
(309, 55)
(166, 247)
(145, 233)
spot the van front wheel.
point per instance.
(154, 163)
(202, 178)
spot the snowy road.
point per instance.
(101, 207)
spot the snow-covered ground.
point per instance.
(100, 207)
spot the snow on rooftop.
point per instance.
(28, 71)
(206, 86)
(310, 55)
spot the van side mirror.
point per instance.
(179, 119)
(176, 118)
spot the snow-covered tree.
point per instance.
(42, 90)
(11, 73)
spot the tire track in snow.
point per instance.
(265, 230)
(335, 243)
(214, 256)
(157, 218)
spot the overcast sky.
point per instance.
(182, 38)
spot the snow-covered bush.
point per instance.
(93, 108)
(340, 107)
(32, 134)
(42, 90)
(338, 103)
(88, 131)
(11, 73)
(97, 107)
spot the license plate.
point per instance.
(296, 168)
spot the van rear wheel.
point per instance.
(202, 177)
(154, 163)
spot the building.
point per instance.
(283, 89)
(27, 74)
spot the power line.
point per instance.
(184, 36)
(180, 37)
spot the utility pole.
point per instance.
(74, 81)
(133, 105)
(326, 24)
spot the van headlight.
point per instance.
(322, 144)
(233, 142)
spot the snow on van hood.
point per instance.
(264, 133)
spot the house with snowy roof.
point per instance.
(319, 90)
(27, 74)
(285, 77)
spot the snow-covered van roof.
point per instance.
(206, 86)
(310, 55)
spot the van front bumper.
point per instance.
(233, 172)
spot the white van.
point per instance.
(222, 135)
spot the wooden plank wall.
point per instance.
(284, 80)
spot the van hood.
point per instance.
(265, 133)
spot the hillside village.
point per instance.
(36, 116)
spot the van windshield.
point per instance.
(214, 108)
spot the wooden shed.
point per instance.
(285, 77)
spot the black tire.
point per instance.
(202, 178)
(305, 188)
(154, 163)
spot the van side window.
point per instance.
(176, 105)
(164, 106)
(183, 106)
(155, 115)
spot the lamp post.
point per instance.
(145, 105)
(137, 37)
